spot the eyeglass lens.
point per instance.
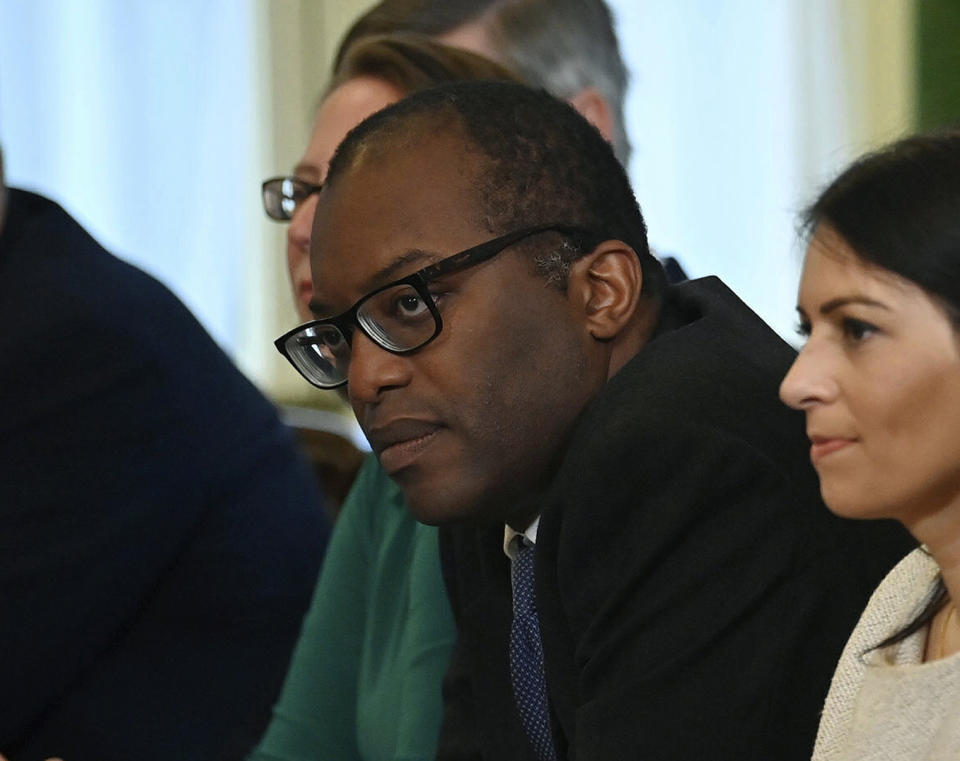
(397, 318)
(282, 195)
(319, 352)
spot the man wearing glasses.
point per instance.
(634, 545)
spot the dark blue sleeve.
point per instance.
(159, 534)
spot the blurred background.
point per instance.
(154, 122)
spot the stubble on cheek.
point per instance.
(522, 422)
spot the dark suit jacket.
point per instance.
(159, 534)
(694, 593)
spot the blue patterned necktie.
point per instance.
(526, 656)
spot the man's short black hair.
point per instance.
(543, 164)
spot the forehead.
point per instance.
(410, 199)
(832, 266)
(342, 110)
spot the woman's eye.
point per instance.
(857, 330)
(803, 329)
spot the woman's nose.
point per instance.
(807, 382)
(298, 234)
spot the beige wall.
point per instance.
(298, 41)
(879, 37)
(856, 74)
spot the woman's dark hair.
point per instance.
(938, 599)
(412, 63)
(899, 208)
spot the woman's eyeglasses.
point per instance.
(282, 196)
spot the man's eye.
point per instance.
(332, 338)
(409, 305)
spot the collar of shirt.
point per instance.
(529, 536)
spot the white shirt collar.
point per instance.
(530, 536)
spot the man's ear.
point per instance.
(593, 107)
(605, 284)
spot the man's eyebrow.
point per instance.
(402, 262)
(380, 277)
(841, 301)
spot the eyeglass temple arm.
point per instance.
(491, 248)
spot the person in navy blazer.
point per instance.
(160, 535)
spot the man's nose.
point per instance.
(373, 370)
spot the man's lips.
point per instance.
(822, 446)
(399, 443)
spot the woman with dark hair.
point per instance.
(364, 680)
(879, 381)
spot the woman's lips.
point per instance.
(823, 446)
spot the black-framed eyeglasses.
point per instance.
(400, 316)
(282, 195)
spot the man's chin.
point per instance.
(439, 504)
(433, 513)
